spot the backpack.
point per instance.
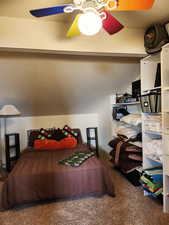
(155, 37)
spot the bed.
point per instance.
(38, 176)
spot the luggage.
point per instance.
(155, 37)
(167, 27)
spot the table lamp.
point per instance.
(5, 112)
(8, 111)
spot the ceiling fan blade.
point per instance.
(74, 30)
(48, 11)
(126, 5)
(111, 24)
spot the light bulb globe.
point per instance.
(89, 23)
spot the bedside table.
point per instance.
(12, 150)
(92, 135)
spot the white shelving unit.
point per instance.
(148, 75)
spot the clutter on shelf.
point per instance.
(125, 98)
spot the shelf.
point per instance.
(12, 146)
(152, 89)
(152, 158)
(127, 103)
(91, 138)
(152, 113)
(151, 132)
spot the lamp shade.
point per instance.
(9, 110)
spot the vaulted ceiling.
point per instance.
(140, 19)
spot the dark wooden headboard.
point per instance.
(32, 135)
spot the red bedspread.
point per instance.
(37, 176)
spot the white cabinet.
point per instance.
(148, 75)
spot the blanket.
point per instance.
(76, 159)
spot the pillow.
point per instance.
(69, 132)
(66, 143)
(43, 134)
(55, 134)
(33, 135)
(58, 134)
(132, 119)
(127, 131)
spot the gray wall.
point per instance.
(46, 85)
(57, 84)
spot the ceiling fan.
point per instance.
(94, 14)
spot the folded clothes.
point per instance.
(76, 159)
(154, 148)
(136, 157)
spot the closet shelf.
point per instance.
(152, 132)
(127, 103)
(153, 158)
(152, 113)
(152, 89)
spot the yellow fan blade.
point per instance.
(74, 30)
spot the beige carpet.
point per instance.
(129, 207)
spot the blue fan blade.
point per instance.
(48, 11)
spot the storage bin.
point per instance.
(151, 102)
(145, 103)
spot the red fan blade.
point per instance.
(110, 24)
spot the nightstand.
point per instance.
(12, 149)
(92, 136)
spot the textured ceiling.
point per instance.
(20, 8)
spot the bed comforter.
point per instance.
(38, 176)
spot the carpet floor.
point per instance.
(129, 207)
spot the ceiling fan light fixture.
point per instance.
(89, 23)
(111, 24)
(112, 4)
(79, 2)
(69, 9)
